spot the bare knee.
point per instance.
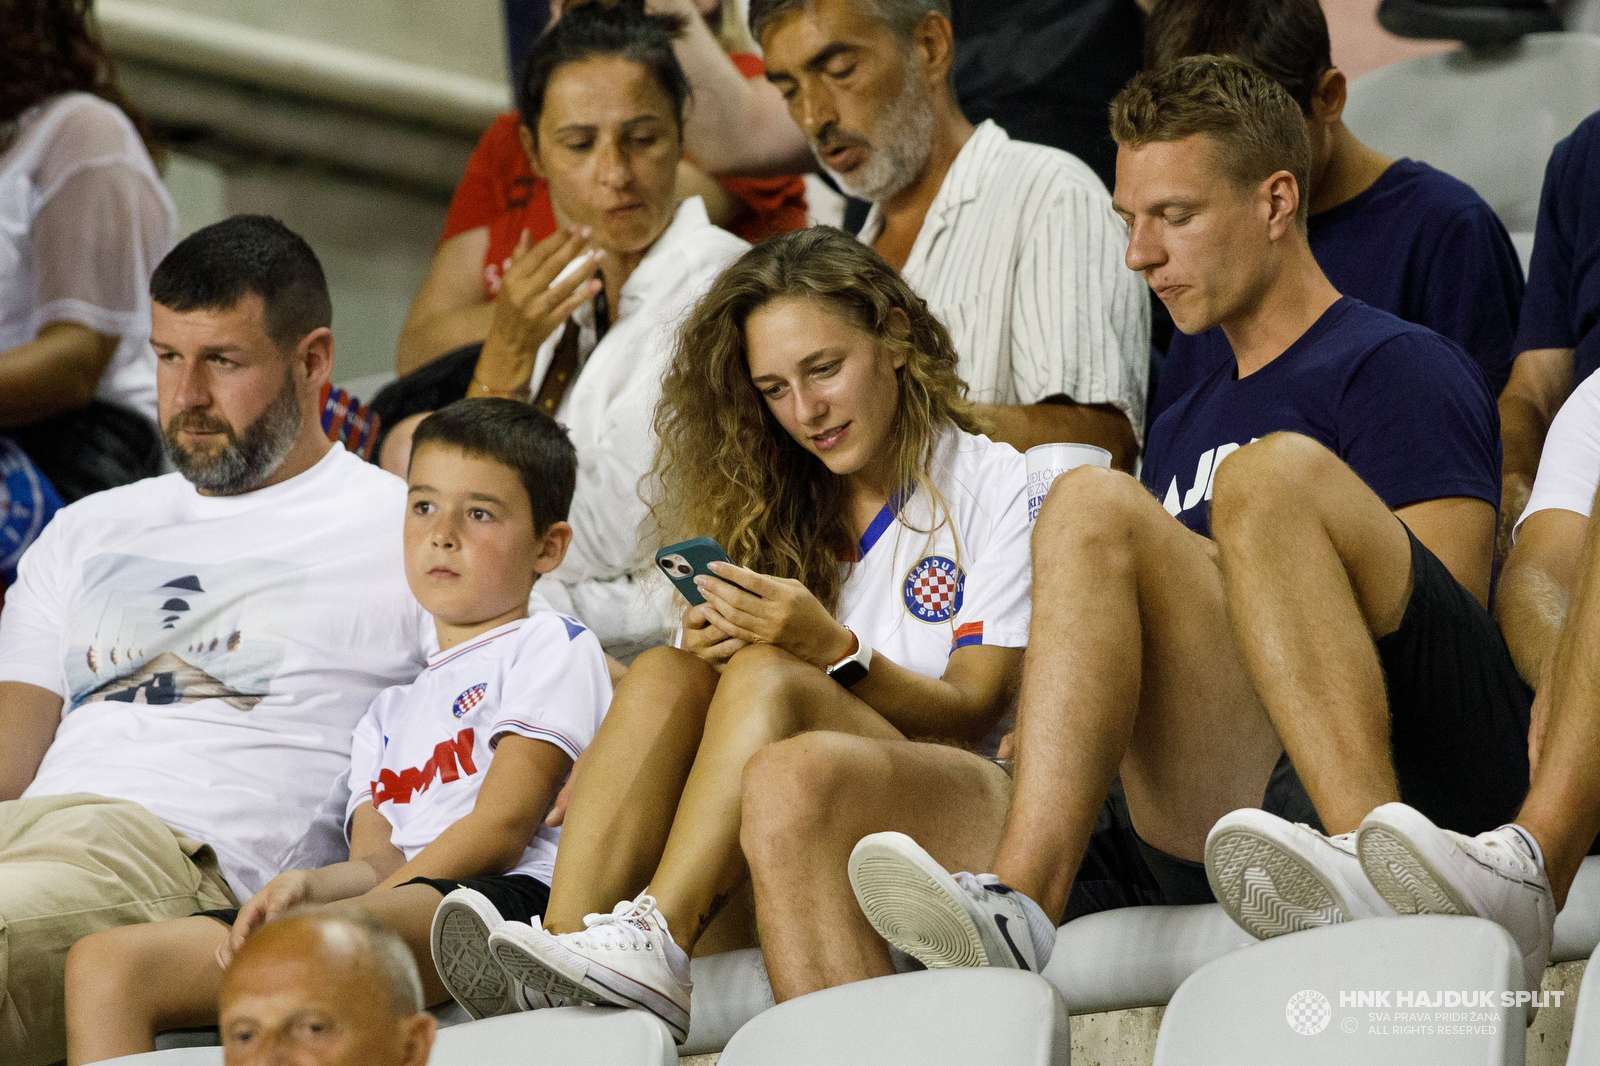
(395, 455)
(1090, 509)
(791, 792)
(762, 681)
(1269, 479)
(112, 967)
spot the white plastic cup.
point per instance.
(1046, 462)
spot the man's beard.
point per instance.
(247, 459)
(899, 145)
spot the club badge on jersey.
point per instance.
(933, 589)
(468, 700)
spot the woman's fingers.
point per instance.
(757, 584)
(531, 272)
(729, 583)
(546, 271)
(733, 621)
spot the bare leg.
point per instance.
(1562, 810)
(765, 695)
(633, 774)
(1316, 567)
(807, 801)
(408, 910)
(395, 455)
(114, 1007)
(1131, 668)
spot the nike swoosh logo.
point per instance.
(1005, 933)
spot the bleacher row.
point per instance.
(1365, 986)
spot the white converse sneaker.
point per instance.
(624, 959)
(460, 942)
(946, 920)
(1275, 877)
(1422, 869)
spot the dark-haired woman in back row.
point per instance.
(584, 320)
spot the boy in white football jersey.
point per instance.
(451, 776)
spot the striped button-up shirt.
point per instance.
(1021, 257)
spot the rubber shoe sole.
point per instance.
(914, 903)
(459, 940)
(1268, 890)
(1405, 879)
(542, 965)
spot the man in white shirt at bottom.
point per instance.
(183, 659)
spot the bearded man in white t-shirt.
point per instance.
(182, 660)
(1013, 245)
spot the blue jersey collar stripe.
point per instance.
(883, 521)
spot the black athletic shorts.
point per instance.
(517, 897)
(1458, 720)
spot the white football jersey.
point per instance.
(420, 754)
(916, 595)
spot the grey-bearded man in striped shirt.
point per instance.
(1013, 245)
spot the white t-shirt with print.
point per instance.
(213, 653)
(916, 596)
(422, 751)
(1569, 466)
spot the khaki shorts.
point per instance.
(74, 865)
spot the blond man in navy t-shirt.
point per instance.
(1351, 522)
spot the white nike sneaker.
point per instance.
(623, 959)
(946, 920)
(460, 942)
(1274, 876)
(1422, 869)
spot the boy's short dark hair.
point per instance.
(1285, 39)
(214, 268)
(516, 436)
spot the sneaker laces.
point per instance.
(625, 928)
(1497, 851)
(975, 885)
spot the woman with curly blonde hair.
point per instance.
(813, 423)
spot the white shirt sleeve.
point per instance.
(1080, 322)
(33, 625)
(366, 756)
(557, 689)
(1569, 466)
(100, 225)
(997, 596)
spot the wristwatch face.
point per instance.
(848, 673)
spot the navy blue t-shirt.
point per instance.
(1416, 243)
(1563, 301)
(1403, 407)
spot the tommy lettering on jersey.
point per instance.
(451, 758)
(1205, 474)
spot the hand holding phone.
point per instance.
(686, 560)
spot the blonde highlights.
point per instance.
(726, 469)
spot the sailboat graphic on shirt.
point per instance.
(161, 633)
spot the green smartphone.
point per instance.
(684, 561)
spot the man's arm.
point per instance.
(1058, 419)
(1460, 531)
(1541, 381)
(1535, 585)
(28, 719)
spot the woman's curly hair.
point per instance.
(47, 48)
(726, 469)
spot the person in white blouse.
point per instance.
(584, 325)
(84, 220)
(1014, 245)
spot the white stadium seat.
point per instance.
(1585, 1046)
(1489, 118)
(1354, 993)
(1578, 924)
(932, 1018)
(558, 1037)
(178, 1056)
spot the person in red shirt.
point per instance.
(500, 196)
